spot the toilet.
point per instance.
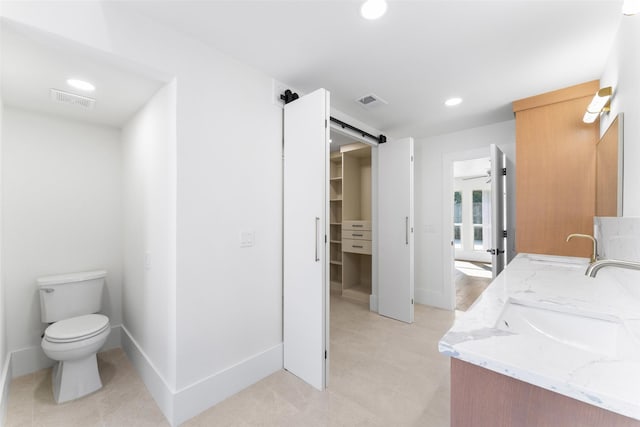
(70, 302)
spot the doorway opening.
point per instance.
(471, 229)
(351, 219)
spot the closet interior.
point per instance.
(350, 222)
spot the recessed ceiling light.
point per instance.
(373, 9)
(81, 85)
(452, 102)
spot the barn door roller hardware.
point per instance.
(289, 96)
(379, 139)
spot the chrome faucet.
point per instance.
(593, 268)
(594, 255)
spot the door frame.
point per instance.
(448, 256)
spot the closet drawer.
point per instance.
(356, 246)
(356, 234)
(356, 225)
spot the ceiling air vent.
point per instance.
(371, 101)
(63, 97)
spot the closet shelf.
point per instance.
(335, 200)
(336, 223)
(335, 262)
(336, 178)
(336, 241)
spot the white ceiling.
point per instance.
(33, 63)
(420, 53)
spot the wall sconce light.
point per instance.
(600, 102)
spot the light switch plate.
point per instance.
(247, 239)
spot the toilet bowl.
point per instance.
(69, 303)
(73, 344)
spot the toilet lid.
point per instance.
(77, 328)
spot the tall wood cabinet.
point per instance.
(350, 222)
(555, 173)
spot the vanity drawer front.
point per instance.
(356, 246)
(356, 225)
(356, 234)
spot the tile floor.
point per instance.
(123, 400)
(472, 278)
(383, 373)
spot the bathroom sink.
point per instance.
(559, 261)
(592, 332)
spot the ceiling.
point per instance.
(420, 53)
(33, 63)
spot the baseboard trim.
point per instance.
(28, 360)
(114, 340)
(160, 390)
(373, 303)
(177, 406)
(184, 404)
(31, 359)
(205, 393)
(5, 380)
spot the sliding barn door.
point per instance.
(395, 225)
(306, 148)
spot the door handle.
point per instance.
(317, 230)
(406, 230)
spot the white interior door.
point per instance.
(497, 210)
(395, 225)
(305, 305)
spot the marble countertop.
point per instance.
(606, 375)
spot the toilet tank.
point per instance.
(68, 295)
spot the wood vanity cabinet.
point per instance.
(555, 173)
(483, 398)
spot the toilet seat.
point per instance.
(76, 328)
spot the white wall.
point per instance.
(621, 72)
(61, 212)
(433, 282)
(149, 183)
(4, 352)
(229, 179)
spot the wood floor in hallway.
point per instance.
(471, 278)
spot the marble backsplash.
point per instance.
(618, 237)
